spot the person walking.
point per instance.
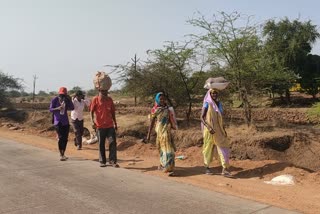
(59, 106)
(103, 118)
(215, 139)
(162, 118)
(79, 103)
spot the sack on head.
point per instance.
(102, 81)
(219, 83)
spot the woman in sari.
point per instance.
(215, 141)
(163, 118)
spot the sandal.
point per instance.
(171, 174)
(226, 173)
(115, 165)
(160, 168)
(208, 171)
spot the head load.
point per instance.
(218, 83)
(102, 81)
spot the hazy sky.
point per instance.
(64, 42)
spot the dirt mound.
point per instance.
(294, 148)
(13, 115)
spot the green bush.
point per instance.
(314, 112)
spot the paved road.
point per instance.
(32, 180)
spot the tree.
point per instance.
(176, 59)
(7, 82)
(42, 93)
(310, 75)
(92, 92)
(74, 90)
(13, 93)
(232, 43)
(289, 43)
(130, 74)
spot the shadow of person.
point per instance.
(142, 169)
(263, 170)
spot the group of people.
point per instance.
(162, 120)
(102, 112)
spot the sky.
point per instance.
(64, 42)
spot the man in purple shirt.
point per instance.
(59, 106)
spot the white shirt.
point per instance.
(77, 113)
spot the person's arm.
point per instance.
(203, 120)
(172, 121)
(152, 122)
(69, 103)
(53, 107)
(92, 110)
(114, 120)
(92, 120)
(87, 102)
(113, 114)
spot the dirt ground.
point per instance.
(251, 167)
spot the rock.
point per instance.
(282, 180)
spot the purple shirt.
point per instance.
(57, 117)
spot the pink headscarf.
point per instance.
(208, 99)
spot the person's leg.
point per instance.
(78, 130)
(59, 133)
(64, 138)
(79, 137)
(111, 134)
(74, 126)
(224, 154)
(101, 133)
(207, 151)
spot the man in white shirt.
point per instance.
(79, 103)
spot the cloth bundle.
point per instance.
(102, 81)
(219, 83)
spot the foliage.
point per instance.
(42, 93)
(74, 90)
(7, 82)
(234, 49)
(13, 93)
(171, 70)
(289, 43)
(314, 112)
(310, 75)
(92, 92)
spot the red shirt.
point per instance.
(103, 109)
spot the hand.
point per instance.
(148, 138)
(211, 130)
(58, 108)
(94, 126)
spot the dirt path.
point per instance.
(304, 196)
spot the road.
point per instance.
(33, 180)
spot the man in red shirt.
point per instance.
(103, 119)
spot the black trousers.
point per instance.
(63, 133)
(103, 134)
(78, 131)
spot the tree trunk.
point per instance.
(288, 100)
(246, 106)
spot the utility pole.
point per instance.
(135, 61)
(34, 87)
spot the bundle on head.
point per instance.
(219, 83)
(102, 81)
